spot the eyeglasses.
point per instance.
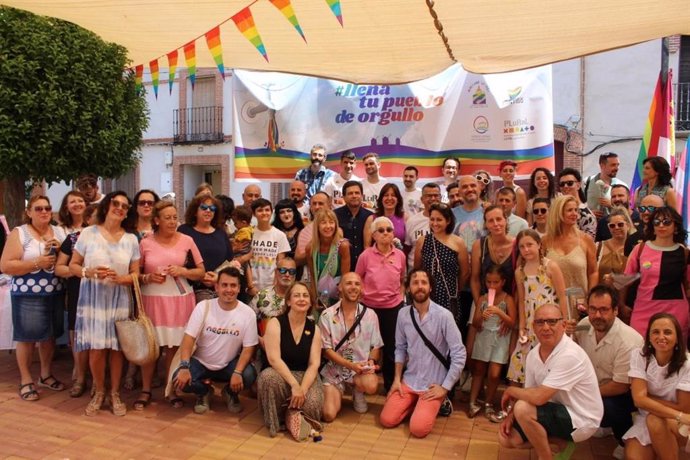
(208, 207)
(613, 225)
(567, 183)
(290, 271)
(481, 178)
(649, 209)
(600, 310)
(550, 321)
(537, 211)
(120, 205)
(385, 229)
(43, 208)
(665, 222)
(148, 203)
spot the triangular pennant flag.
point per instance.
(172, 65)
(190, 59)
(216, 49)
(138, 75)
(245, 24)
(335, 8)
(153, 65)
(285, 7)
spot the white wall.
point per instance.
(566, 92)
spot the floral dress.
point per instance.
(539, 290)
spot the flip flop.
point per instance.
(31, 395)
(55, 385)
(141, 404)
(566, 453)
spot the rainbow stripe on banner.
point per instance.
(155, 75)
(216, 49)
(334, 5)
(190, 59)
(245, 24)
(172, 66)
(138, 76)
(285, 7)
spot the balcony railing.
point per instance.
(198, 125)
(682, 93)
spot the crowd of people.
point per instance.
(574, 290)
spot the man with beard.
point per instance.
(426, 381)
(598, 199)
(620, 196)
(411, 194)
(351, 219)
(353, 365)
(334, 186)
(647, 206)
(454, 199)
(298, 193)
(469, 217)
(372, 184)
(316, 175)
(608, 342)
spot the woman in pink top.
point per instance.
(382, 268)
(168, 298)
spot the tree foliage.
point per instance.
(67, 106)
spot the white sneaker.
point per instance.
(619, 453)
(603, 432)
(359, 402)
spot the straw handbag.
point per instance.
(136, 334)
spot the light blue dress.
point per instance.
(101, 303)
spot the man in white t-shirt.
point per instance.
(298, 195)
(560, 401)
(372, 184)
(450, 170)
(418, 225)
(334, 186)
(412, 195)
(225, 333)
(269, 245)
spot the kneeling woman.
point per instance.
(293, 347)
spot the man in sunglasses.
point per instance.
(647, 206)
(560, 402)
(270, 301)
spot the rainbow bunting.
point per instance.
(285, 7)
(172, 65)
(335, 8)
(138, 75)
(659, 135)
(216, 49)
(190, 59)
(245, 24)
(153, 65)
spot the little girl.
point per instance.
(490, 345)
(539, 281)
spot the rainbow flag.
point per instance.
(172, 65)
(153, 65)
(682, 185)
(216, 49)
(245, 24)
(334, 5)
(659, 132)
(138, 76)
(190, 59)
(285, 7)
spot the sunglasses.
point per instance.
(43, 208)
(208, 207)
(481, 178)
(148, 203)
(567, 183)
(665, 222)
(613, 225)
(385, 230)
(537, 211)
(646, 208)
(120, 205)
(550, 321)
(290, 271)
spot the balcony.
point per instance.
(198, 125)
(682, 94)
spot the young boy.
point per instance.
(242, 244)
(268, 245)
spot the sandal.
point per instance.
(116, 405)
(141, 403)
(95, 404)
(31, 394)
(54, 385)
(176, 402)
(78, 389)
(130, 383)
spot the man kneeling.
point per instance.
(352, 344)
(561, 395)
(226, 337)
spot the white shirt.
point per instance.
(371, 192)
(415, 227)
(412, 201)
(516, 224)
(334, 188)
(266, 245)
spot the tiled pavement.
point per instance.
(55, 427)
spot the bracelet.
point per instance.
(184, 364)
(237, 372)
(36, 267)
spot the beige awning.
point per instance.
(380, 40)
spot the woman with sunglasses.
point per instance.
(486, 187)
(388, 204)
(661, 261)
(507, 170)
(610, 253)
(140, 215)
(542, 184)
(540, 214)
(105, 258)
(656, 175)
(36, 293)
(570, 183)
(205, 225)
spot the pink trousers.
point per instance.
(397, 408)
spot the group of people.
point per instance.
(367, 277)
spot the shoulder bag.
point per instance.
(136, 334)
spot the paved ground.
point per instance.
(55, 427)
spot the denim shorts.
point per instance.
(37, 318)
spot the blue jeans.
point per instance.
(200, 374)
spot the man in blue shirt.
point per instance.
(316, 175)
(351, 218)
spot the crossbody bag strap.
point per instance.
(444, 360)
(352, 329)
(437, 261)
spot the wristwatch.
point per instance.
(184, 364)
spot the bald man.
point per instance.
(646, 208)
(251, 193)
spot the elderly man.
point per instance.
(560, 400)
(316, 175)
(608, 342)
(270, 301)
(352, 344)
(298, 194)
(334, 186)
(251, 193)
